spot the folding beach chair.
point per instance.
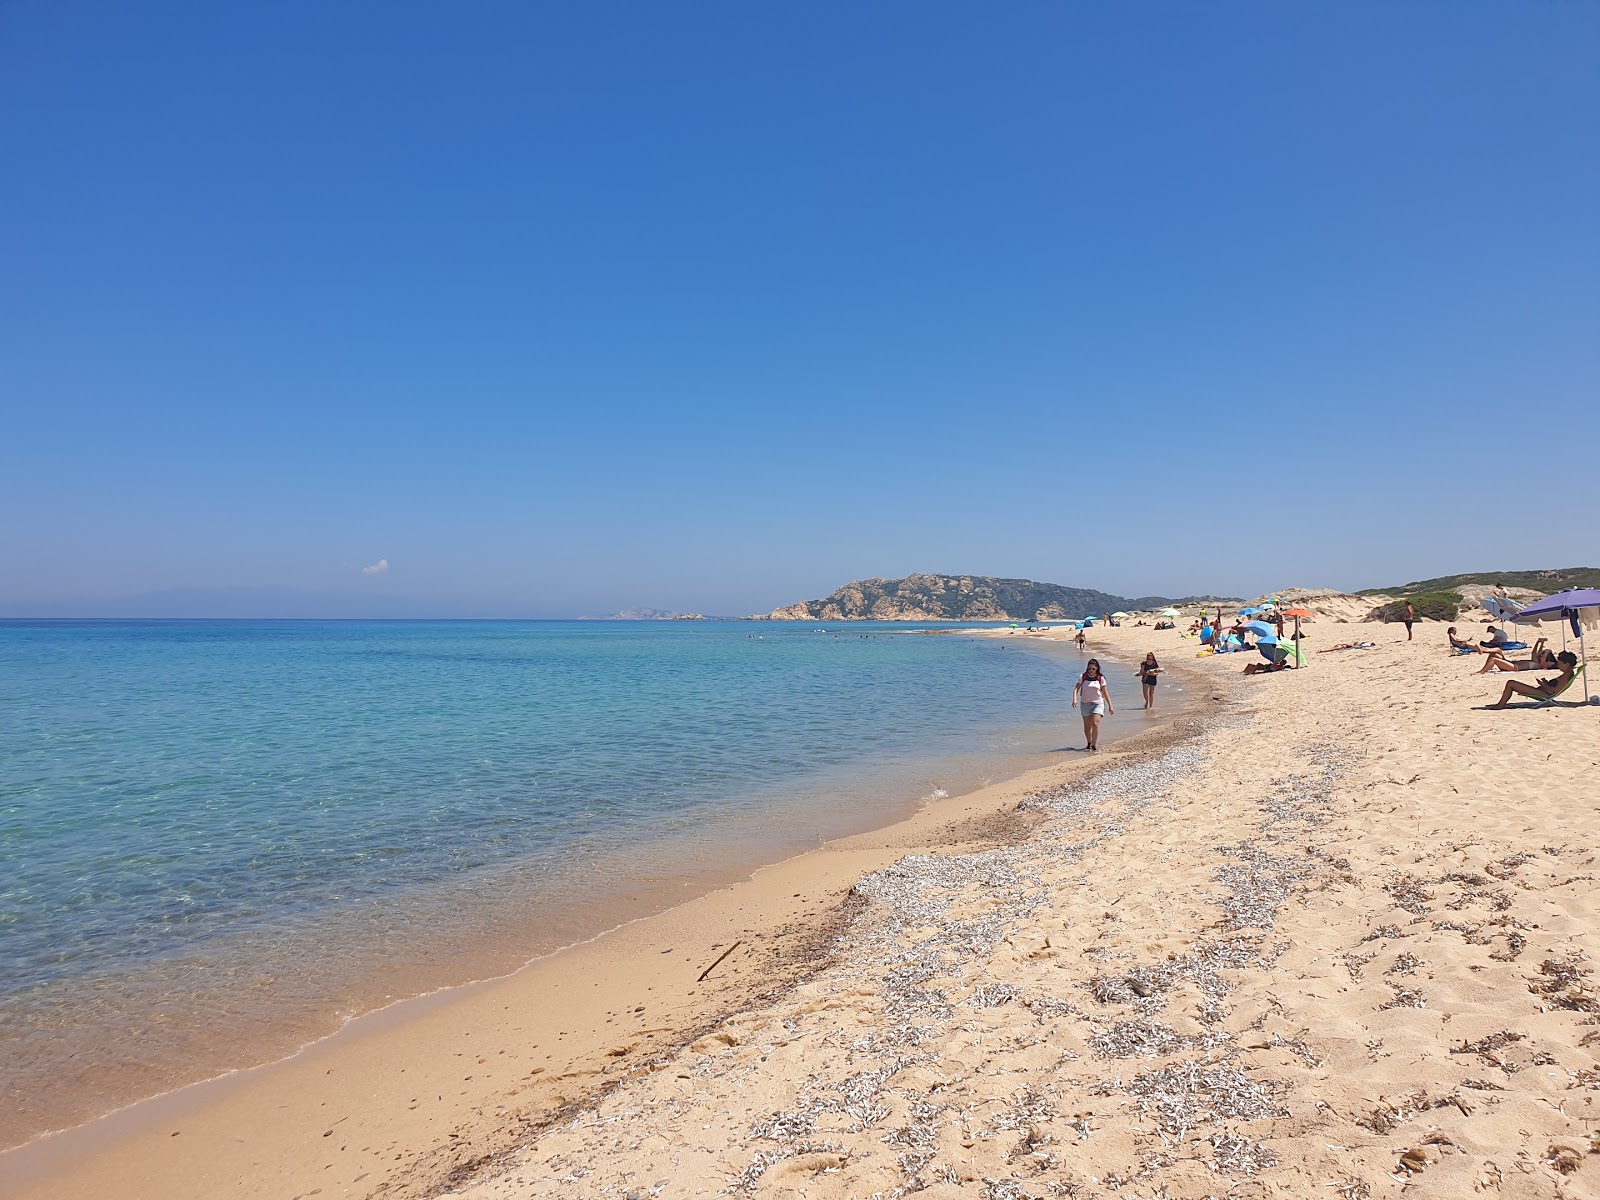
(1550, 700)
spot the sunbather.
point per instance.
(1539, 659)
(1545, 689)
(1261, 668)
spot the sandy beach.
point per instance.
(1325, 933)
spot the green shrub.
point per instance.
(1433, 606)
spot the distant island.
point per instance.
(647, 614)
(963, 598)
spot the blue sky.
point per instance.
(564, 308)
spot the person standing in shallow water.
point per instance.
(1148, 670)
(1093, 701)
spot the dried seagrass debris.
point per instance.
(1488, 1046)
(1045, 1007)
(1179, 1097)
(1405, 964)
(1029, 1107)
(1235, 1154)
(746, 1180)
(1408, 893)
(1142, 782)
(992, 995)
(1405, 997)
(1354, 963)
(1515, 944)
(1385, 931)
(1507, 866)
(1564, 983)
(1390, 1114)
(1140, 1038)
(1003, 1189)
(1296, 1046)
(783, 1127)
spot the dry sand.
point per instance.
(1332, 936)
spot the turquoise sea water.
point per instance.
(260, 827)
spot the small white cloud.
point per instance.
(377, 568)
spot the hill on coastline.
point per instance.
(960, 598)
(1559, 579)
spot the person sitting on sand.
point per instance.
(1539, 659)
(1460, 644)
(1496, 639)
(1545, 689)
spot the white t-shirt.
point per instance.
(1091, 691)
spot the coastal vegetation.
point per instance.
(1543, 582)
(924, 597)
(1431, 606)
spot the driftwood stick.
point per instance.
(720, 957)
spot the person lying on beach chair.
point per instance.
(1546, 690)
(1460, 645)
(1540, 659)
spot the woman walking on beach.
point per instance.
(1148, 670)
(1093, 701)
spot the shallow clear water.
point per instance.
(257, 825)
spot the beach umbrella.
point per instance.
(1245, 612)
(1169, 612)
(1580, 607)
(1261, 629)
(1297, 614)
(1119, 616)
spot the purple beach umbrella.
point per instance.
(1568, 606)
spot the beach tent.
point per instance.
(1579, 608)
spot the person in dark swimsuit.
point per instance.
(1149, 669)
(1545, 689)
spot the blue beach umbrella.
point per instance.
(1245, 612)
(1261, 629)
